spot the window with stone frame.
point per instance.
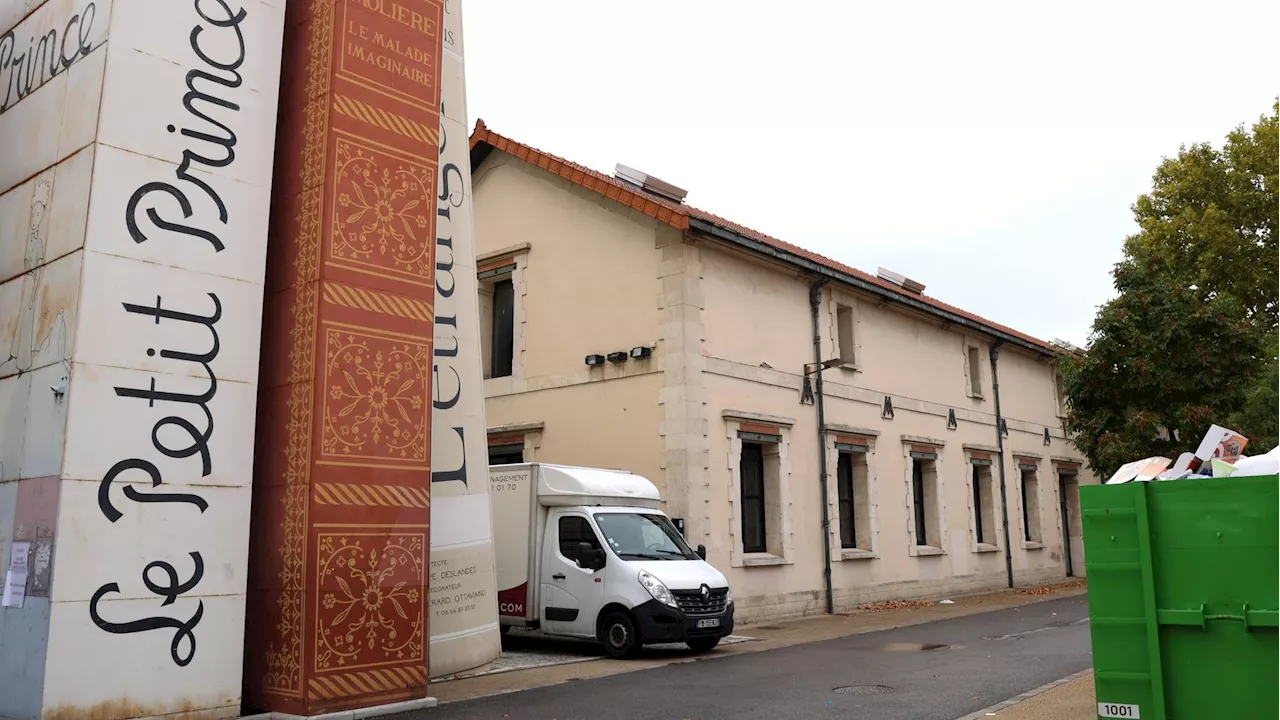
(973, 369)
(514, 443)
(497, 314)
(506, 454)
(503, 328)
(1029, 484)
(1059, 393)
(925, 501)
(1069, 507)
(754, 518)
(846, 340)
(760, 493)
(500, 288)
(853, 509)
(759, 469)
(983, 503)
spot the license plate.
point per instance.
(709, 623)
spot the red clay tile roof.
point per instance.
(677, 215)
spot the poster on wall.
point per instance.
(464, 610)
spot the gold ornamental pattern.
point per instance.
(372, 599)
(364, 682)
(375, 396)
(381, 118)
(383, 213)
(284, 652)
(350, 296)
(372, 495)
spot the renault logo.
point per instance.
(705, 592)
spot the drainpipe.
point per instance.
(815, 303)
(1004, 504)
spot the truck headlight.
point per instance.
(728, 596)
(657, 589)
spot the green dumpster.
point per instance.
(1183, 597)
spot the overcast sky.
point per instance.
(989, 150)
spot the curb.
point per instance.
(353, 714)
(984, 712)
(466, 675)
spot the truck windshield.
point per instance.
(643, 536)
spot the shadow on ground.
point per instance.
(524, 649)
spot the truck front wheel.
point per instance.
(619, 635)
(702, 645)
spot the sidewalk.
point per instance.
(765, 637)
(1072, 700)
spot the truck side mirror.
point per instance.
(589, 557)
(702, 551)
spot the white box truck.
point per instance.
(587, 553)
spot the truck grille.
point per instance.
(692, 603)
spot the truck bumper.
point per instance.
(659, 623)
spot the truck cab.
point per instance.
(605, 562)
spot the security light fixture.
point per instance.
(594, 360)
(641, 352)
(617, 357)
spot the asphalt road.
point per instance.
(889, 675)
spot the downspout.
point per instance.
(1004, 504)
(815, 303)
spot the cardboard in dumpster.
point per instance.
(1220, 454)
(1266, 464)
(1220, 469)
(1222, 444)
(1186, 461)
(1141, 470)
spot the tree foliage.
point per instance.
(1259, 410)
(1191, 338)
(1162, 366)
(1210, 220)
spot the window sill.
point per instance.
(929, 550)
(505, 385)
(856, 554)
(985, 548)
(1032, 545)
(761, 559)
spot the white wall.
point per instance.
(461, 526)
(158, 207)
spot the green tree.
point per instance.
(1162, 366)
(1258, 412)
(1211, 219)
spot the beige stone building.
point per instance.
(626, 329)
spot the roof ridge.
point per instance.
(678, 215)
